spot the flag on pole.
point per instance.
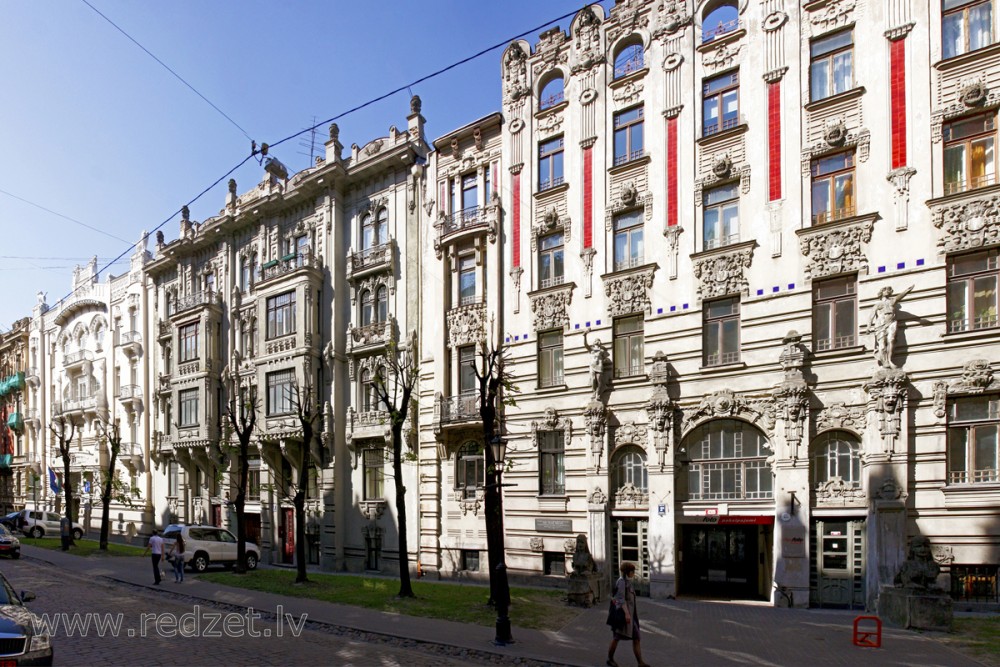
(53, 481)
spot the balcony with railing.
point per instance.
(370, 335)
(74, 359)
(130, 396)
(467, 222)
(719, 29)
(370, 260)
(630, 65)
(552, 282)
(722, 358)
(459, 409)
(722, 241)
(628, 156)
(164, 329)
(834, 215)
(196, 300)
(287, 265)
(551, 183)
(131, 343)
(80, 405)
(550, 101)
(32, 377)
(970, 183)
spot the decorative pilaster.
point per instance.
(887, 405)
(660, 410)
(792, 395)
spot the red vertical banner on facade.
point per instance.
(672, 171)
(516, 233)
(588, 197)
(774, 140)
(897, 95)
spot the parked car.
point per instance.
(205, 545)
(36, 523)
(20, 644)
(12, 521)
(9, 546)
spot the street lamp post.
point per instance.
(499, 586)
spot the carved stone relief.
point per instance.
(466, 324)
(660, 410)
(722, 56)
(977, 377)
(834, 14)
(724, 272)
(968, 225)
(515, 79)
(887, 402)
(791, 397)
(838, 416)
(839, 493)
(832, 249)
(668, 18)
(549, 51)
(726, 404)
(587, 51)
(596, 416)
(550, 309)
(628, 94)
(629, 292)
(552, 422)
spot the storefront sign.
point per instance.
(793, 542)
(554, 525)
(728, 520)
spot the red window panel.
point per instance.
(672, 171)
(516, 236)
(774, 140)
(588, 197)
(897, 92)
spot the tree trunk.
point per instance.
(241, 503)
(405, 587)
(68, 491)
(106, 500)
(300, 526)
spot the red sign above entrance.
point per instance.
(728, 520)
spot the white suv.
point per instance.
(36, 523)
(204, 545)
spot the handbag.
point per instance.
(616, 616)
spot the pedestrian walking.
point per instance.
(156, 547)
(177, 556)
(624, 598)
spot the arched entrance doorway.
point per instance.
(630, 513)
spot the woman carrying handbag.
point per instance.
(624, 600)
(177, 557)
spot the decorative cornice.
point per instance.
(722, 271)
(836, 247)
(838, 416)
(466, 324)
(628, 291)
(550, 307)
(968, 224)
(726, 404)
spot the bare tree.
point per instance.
(496, 388)
(393, 385)
(112, 435)
(64, 430)
(241, 415)
(310, 414)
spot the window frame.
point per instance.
(188, 404)
(633, 131)
(281, 393)
(469, 453)
(373, 459)
(551, 358)
(968, 280)
(828, 340)
(718, 239)
(551, 260)
(968, 142)
(723, 27)
(629, 358)
(827, 468)
(465, 388)
(551, 463)
(630, 226)
(467, 269)
(963, 7)
(719, 96)
(830, 178)
(280, 313)
(970, 473)
(551, 165)
(547, 99)
(628, 467)
(826, 57)
(704, 465)
(629, 59)
(188, 342)
(718, 321)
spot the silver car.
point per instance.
(205, 545)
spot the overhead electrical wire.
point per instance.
(65, 217)
(167, 67)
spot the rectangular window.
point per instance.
(470, 192)
(470, 470)
(281, 315)
(722, 331)
(188, 400)
(550, 163)
(551, 467)
(173, 479)
(831, 70)
(554, 563)
(835, 305)
(970, 159)
(188, 341)
(466, 369)
(720, 103)
(374, 473)
(629, 359)
(833, 187)
(550, 358)
(973, 424)
(467, 280)
(470, 560)
(966, 25)
(629, 250)
(253, 484)
(550, 260)
(628, 135)
(972, 291)
(281, 396)
(721, 216)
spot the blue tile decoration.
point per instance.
(673, 308)
(920, 262)
(760, 292)
(774, 289)
(881, 269)
(685, 306)
(516, 337)
(901, 265)
(659, 311)
(791, 285)
(598, 323)
(577, 326)
(588, 324)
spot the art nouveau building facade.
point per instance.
(746, 271)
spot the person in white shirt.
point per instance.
(156, 546)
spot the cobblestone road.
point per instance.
(158, 640)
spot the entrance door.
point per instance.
(631, 545)
(251, 523)
(724, 561)
(286, 533)
(838, 557)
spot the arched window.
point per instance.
(728, 461)
(367, 232)
(382, 227)
(369, 401)
(552, 93)
(718, 20)
(629, 469)
(837, 455)
(629, 58)
(244, 274)
(470, 469)
(382, 304)
(366, 308)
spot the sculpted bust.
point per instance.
(919, 570)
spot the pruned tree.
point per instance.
(310, 414)
(64, 430)
(112, 437)
(496, 388)
(393, 385)
(241, 418)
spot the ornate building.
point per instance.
(14, 474)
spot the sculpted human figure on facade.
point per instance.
(919, 570)
(598, 360)
(882, 325)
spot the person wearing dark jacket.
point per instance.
(624, 598)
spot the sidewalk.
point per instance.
(674, 632)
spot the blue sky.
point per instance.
(94, 129)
